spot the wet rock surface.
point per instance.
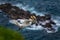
(52, 6)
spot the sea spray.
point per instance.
(32, 10)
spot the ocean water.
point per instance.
(39, 7)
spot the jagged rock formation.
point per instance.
(14, 12)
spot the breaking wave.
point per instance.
(32, 10)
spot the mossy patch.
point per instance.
(8, 34)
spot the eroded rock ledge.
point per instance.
(14, 12)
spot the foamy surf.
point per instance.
(34, 27)
(41, 28)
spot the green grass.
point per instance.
(8, 34)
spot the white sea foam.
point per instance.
(34, 27)
(32, 10)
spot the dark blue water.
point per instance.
(50, 6)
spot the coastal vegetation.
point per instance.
(8, 34)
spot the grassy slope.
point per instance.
(8, 34)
